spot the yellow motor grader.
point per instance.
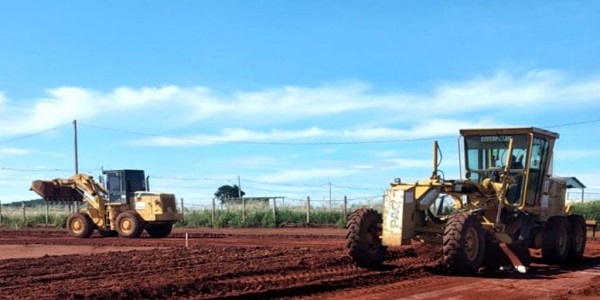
(507, 203)
(123, 208)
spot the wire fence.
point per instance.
(236, 212)
(50, 214)
(583, 196)
(274, 211)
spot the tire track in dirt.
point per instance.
(230, 268)
(198, 273)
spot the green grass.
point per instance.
(260, 217)
(34, 217)
(589, 210)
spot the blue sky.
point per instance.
(291, 96)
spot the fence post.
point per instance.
(24, 220)
(345, 208)
(46, 213)
(243, 209)
(213, 213)
(275, 211)
(182, 210)
(308, 210)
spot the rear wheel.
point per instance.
(80, 225)
(556, 241)
(129, 224)
(159, 230)
(463, 244)
(578, 237)
(364, 238)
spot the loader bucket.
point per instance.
(49, 191)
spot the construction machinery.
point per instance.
(123, 207)
(508, 202)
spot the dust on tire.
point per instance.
(364, 238)
(463, 244)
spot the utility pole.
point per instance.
(242, 199)
(239, 187)
(76, 151)
(76, 205)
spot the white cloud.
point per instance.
(3, 101)
(403, 163)
(14, 151)
(357, 102)
(362, 167)
(432, 128)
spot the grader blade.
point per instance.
(502, 256)
(514, 259)
(50, 191)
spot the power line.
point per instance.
(271, 143)
(286, 184)
(44, 170)
(356, 188)
(35, 133)
(393, 141)
(573, 124)
(14, 179)
(266, 143)
(35, 170)
(190, 179)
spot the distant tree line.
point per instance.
(229, 194)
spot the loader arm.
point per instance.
(93, 193)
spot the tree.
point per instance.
(228, 193)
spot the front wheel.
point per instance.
(129, 224)
(80, 225)
(463, 244)
(363, 236)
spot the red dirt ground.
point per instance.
(292, 263)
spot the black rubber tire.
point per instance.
(80, 225)
(129, 224)
(159, 230)
(578, 237)
(107, 233)
(556, 240)
(363, 238)
(463, 244)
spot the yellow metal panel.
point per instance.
(398, 205)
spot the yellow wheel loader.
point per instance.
(122, 208)
(508, 203)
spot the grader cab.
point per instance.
(122, 206)
(507, 203)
